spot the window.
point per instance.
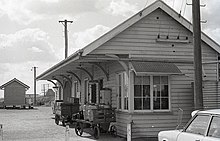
(198, 125)
(122, 91)
(214, 130)
(151, 93)
(160, 92)
(142, 93)
(74, 89)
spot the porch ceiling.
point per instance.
(73, 65)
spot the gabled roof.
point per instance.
(14, 80)
(123, 26)
(146, 11)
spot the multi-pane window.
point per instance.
(160, 93)
(142, 93)
(151, 93)
(123, 91)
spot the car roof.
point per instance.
(213, 111)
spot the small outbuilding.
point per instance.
(14, 93)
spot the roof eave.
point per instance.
(59, 65)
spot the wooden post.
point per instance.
(66, 36)
(198, 94)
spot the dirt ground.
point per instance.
(38, 125)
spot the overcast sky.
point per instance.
(30, 34)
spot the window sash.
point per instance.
(158, 100)
(122, 91)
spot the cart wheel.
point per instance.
(113, 130)
(96, 132)
(57, 119)
(79, 129)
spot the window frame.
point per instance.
(151, 95)
(121, 84)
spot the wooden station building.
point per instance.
(144, 69)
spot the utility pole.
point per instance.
(35, 101)
(198, 94)
(66, 35)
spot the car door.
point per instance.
(214, 129)
(196, 129)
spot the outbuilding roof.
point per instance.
(124, 25)
(14, 80)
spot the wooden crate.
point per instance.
(102, 115)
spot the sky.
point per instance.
(31, 36)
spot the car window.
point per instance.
(214, 130)
(198, 125)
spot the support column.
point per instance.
(131, 91)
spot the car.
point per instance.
(203, 126)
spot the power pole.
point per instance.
(35, 101)
(198, 94)
(66, 35)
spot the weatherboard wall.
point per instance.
(14, 94)
(140, 41)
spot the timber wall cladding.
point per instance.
(139, 40)
(14, 94)
(211, 96)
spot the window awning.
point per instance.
(146, 68)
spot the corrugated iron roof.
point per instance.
(155, 68)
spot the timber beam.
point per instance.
(75, 75)
(52, 82)
(87, 72)
(58, 81)
(102, 68)
(125, 66)
(67, 78)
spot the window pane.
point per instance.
(146, 91)
(156, 103)
(137, 104)
(164, 103)
(214, 130)
(156, 90)
(198, 125)
(164, 90)
(146, 102)
(156, 80)
(126, 103)
(164, 79)
(119, 97)
(138, 80)
(137, 91)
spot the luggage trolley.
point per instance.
(98, 120)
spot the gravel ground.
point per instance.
(38, 125)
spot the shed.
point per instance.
(145, 64)
(14, 92)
